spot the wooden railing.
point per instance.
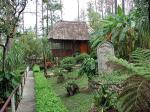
(15, 97)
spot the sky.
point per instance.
(70, 11)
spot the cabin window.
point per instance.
(68, 46)
(63, 45)
(57, 45)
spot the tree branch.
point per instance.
(1, 45)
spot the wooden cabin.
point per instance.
(68, 38)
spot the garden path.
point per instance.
(27, 103)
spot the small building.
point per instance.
(68, 38)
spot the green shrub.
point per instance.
(67, 63)
(58, 71)
(88, 67)
(80, 58)
(8, 82)
(46, 99)
(93, 54)
(72, 88)
(104, 99)
(36, 68)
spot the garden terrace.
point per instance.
(99, 62)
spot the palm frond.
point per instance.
(136, 95)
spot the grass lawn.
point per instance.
(82, 101)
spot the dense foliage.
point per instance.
(67, 63)
(81, 57)
(135, 94)
(8, 81)
(127, 32)
(46, 99)
(135, 88)
(88, 68)
(104, 99)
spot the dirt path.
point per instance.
(27, 103)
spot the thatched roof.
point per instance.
(69, 30)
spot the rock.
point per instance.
(103, 50)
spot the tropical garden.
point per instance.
(73, 84)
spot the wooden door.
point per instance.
(83, 47)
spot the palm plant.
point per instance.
(120, 30)
(135, 95)
(9, 78)
(15, 58)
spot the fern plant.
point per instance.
(140, 57)
(131, 67)
(136, 94)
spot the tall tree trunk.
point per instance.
(112, 7)
(61, 10)
(9, 39)
(78, 10)
(51, 13)
(36, 18)
(47, 22)
(96, 5)
(3, 57)
(123, 6)
(42, 20)
(149, 11)
(116, 7)
(102, 10)
(45, 65)
(23, 22)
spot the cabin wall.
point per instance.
(63, 48)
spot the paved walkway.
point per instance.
(27, 103)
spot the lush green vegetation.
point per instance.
(81, 57)
(126, 89)
(79, 102)
(67, 63)
(46, 99)
(85, 98)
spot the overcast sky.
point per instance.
(70, 11)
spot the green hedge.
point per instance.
(36, 68)
(46, 99)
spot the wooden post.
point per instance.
(20, 90)
(23, 81)
(13, 103)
